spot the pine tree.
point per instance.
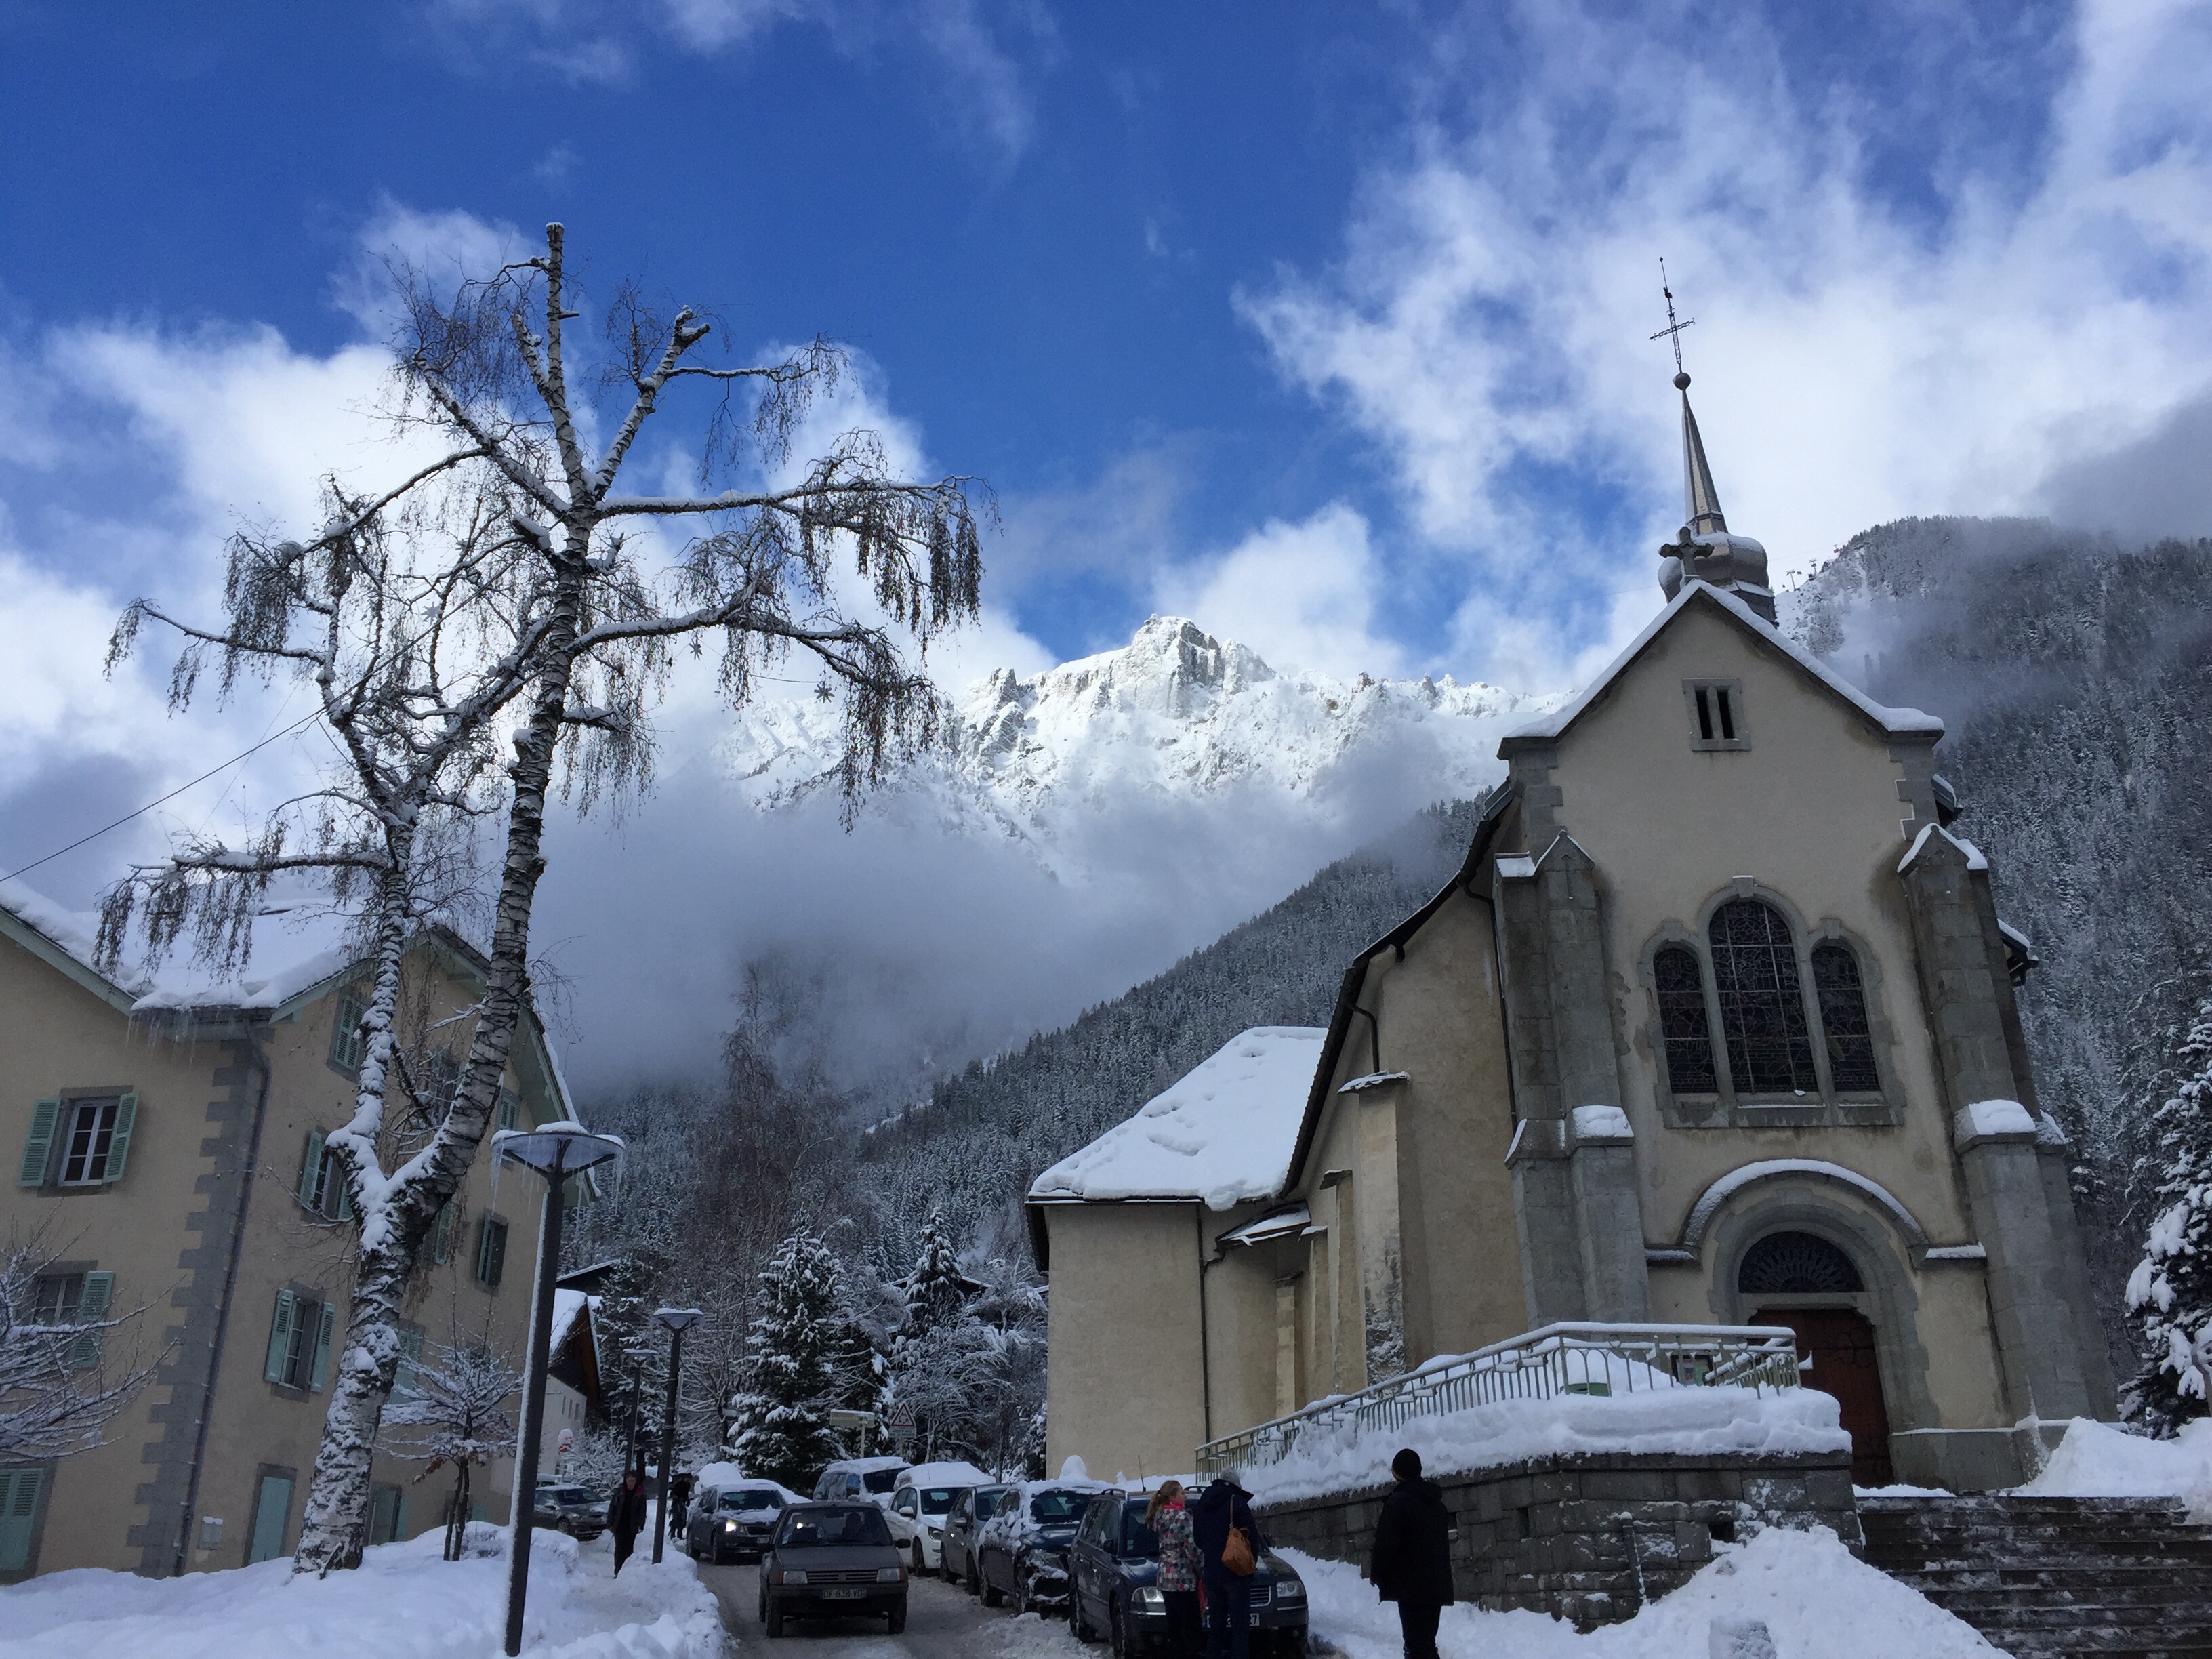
(633, 1351)
(937, 1290)
(782, 1427)
(2169, 1296)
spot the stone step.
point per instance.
(2193, 1598)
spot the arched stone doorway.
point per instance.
(1839, 1341)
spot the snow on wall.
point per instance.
(2098, 1460)
(1223, 1134)
(1687, 1421)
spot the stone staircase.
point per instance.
(2112, 1578)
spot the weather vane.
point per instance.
(1673, 332)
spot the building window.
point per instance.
(510, 1110)
(1796, 1264)
(491, 1251)
(1682, 1023)
(301, 1331)
(1762, 1003)
(442, 1233)
(347, 1046)
(1844, 1020)
(79, 1143)
(1716, 708)
(323, 1186)
(64, 1299)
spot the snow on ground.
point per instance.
(1816, 1599)
(403, 1603)
(1686, 1420)
(1223, 1134)
(2098, 1460)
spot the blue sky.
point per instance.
(1325, 324)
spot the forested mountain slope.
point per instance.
(2075, 678)
(986, 1132)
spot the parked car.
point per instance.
(921, 1497)
(832, 1561)
(577, 1511)
(868, 1477)
(734, 1523)
(1113, 1569)
(1021, 1551)
(962, 1526)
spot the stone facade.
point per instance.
(1589, 1539)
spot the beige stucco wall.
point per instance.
(1125, 1390)
(57, 1036)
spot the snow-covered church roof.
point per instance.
(1222, 1135)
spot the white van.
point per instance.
(871, 1478)
(921, 1498)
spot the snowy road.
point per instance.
(941, 1623)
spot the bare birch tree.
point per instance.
(491, 618)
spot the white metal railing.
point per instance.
(1558, 1359)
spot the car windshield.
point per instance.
(1058, 1509)
(935, 1500)
(1137, 1538)
(565, 1494)
(988, 1502)
(754, 1498)
(806, 1528)
(879, 1479)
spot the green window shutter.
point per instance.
(485, 1230)
(345, 1190)
(325, 1326)
(91, 1309)
(311, 1170)
(118, 1144)
(280, 1335)
(19, 1508)
(273, 1514)
(39, 1148)
(410, 1361)
(510, 1111)
(441, 1234)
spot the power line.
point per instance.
(312, 713)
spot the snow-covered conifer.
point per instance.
(2169, 1295)
(782, 1426)
(936, 1290)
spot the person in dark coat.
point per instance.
(626, 1515)
(1221, 1506)
(679, 1501)
(1412, 1563)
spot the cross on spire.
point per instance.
(1673, 332)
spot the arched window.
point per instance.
(1762, 1003)
(1682, 1022)
(1796, 1264)
(1843, 1018)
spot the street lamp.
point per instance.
(554, 1151)
(678, 1321)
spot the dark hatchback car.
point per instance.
(731, 1524)
(832, 1561)
(1023, 1556)
(577, 1511)
(1113, 1567)
(969, 1511)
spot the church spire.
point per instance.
(1706, 550)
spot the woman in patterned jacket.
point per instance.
(1178, 1577)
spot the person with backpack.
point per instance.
(1412, 1563)
(1170, 1521)
(1229, 1546)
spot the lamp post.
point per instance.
(554, 1151)
(678, 1320)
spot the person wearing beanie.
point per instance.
(1412, 1563)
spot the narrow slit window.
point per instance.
(1682, 1024)
(1705, 714)
(1762, 1001)
(1844, 1022)
(1728, 719)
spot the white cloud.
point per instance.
(1302, 595)
(1490, 315)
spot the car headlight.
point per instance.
(1288, 1590)
(935, 1528)
(729, 1526)
(890, 1575)
(790, 1576)
(1150, 1596)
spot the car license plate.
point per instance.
(855, 1594)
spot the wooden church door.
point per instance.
(1840, 1344)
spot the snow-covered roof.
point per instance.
(1223, 1134)
(567, 1305)
(1897, 722)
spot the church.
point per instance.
(1714, 1025)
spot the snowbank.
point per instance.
(2096, 1460)
(1683, 1420)
(1816, 1599)
(1224, 1134)
(404, 1603)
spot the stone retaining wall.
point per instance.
(1590, 1538)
